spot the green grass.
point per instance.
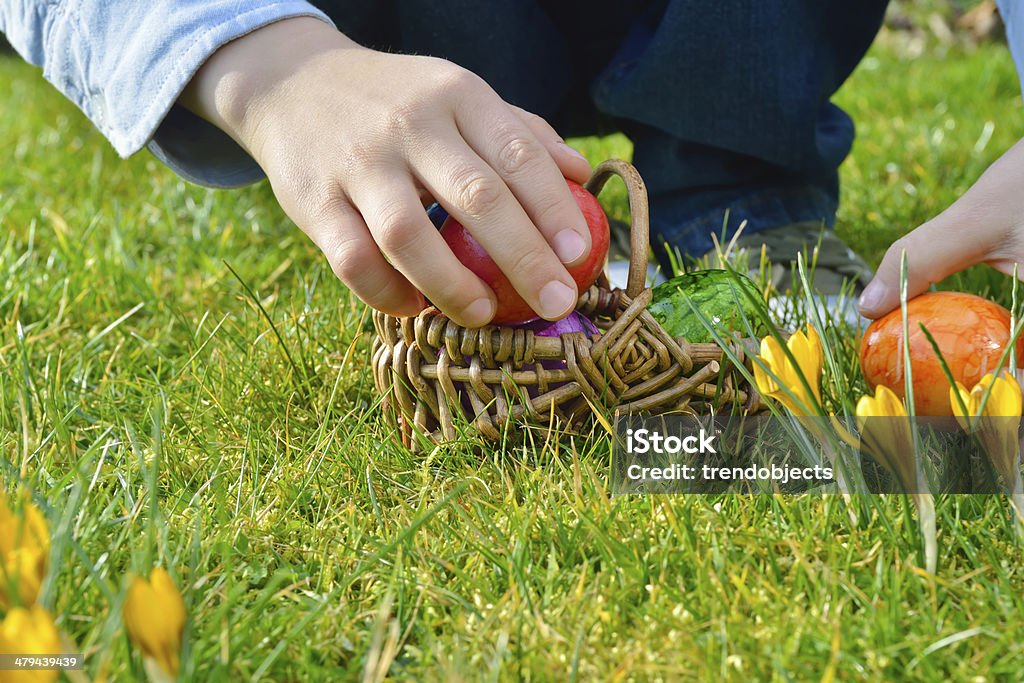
(160, 417)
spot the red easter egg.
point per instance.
(512, 309)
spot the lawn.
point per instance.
(162, 415)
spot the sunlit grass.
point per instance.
(165, 411)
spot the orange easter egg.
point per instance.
(971, 332)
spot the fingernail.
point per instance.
(556, 299)
(478, 313)
(873, 297)
(568, 245)
(573, 151)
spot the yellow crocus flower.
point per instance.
(29, 632)
(154, 615)
(885, 433)
(24, 550)
(807, 352)
(1003, 401)
(998, 423)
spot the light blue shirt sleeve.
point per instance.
(124, 63)
(1010, 12)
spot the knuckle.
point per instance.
(517, 155)
(349, 259)
(345, 268)
(324, 205)
(533, 261)
(900, 245)
(451, 296)
(453, 79)
(897, 249)
(554, 209)
(477, 194)
(360, 156)
(404, 119)
(396, 230)
(917, 271)
(294, 184)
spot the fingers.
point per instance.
(525, 166)
(982, 226)
(392, 210)
(479, 198)
(934, 251)
(397, 121)
(342, 235)
(571, 163)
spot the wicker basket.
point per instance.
(431, 370)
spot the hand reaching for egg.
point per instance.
(352, 159)
(986, 225)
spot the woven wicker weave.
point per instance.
(430, 370)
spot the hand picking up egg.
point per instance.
(512, 309)
(971, 332)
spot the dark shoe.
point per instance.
(831, 265)
(835, 272)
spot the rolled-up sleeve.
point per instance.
(1009, 11)
(125, 62)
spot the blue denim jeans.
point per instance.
(726, 102)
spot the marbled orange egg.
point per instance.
(970, 331)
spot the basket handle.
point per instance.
(639, 228)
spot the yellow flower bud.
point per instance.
(885, 433)
(24, 550)
(154, 615)
(997, 423)
(807, 352)
(29, 632)
(1004, 399)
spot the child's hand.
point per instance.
(354, 141)
(986, 225)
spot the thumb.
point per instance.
(935, 250)
(982, 226)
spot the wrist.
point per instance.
(236, 86)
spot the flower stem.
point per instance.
(925, 503)
(1017, 500)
